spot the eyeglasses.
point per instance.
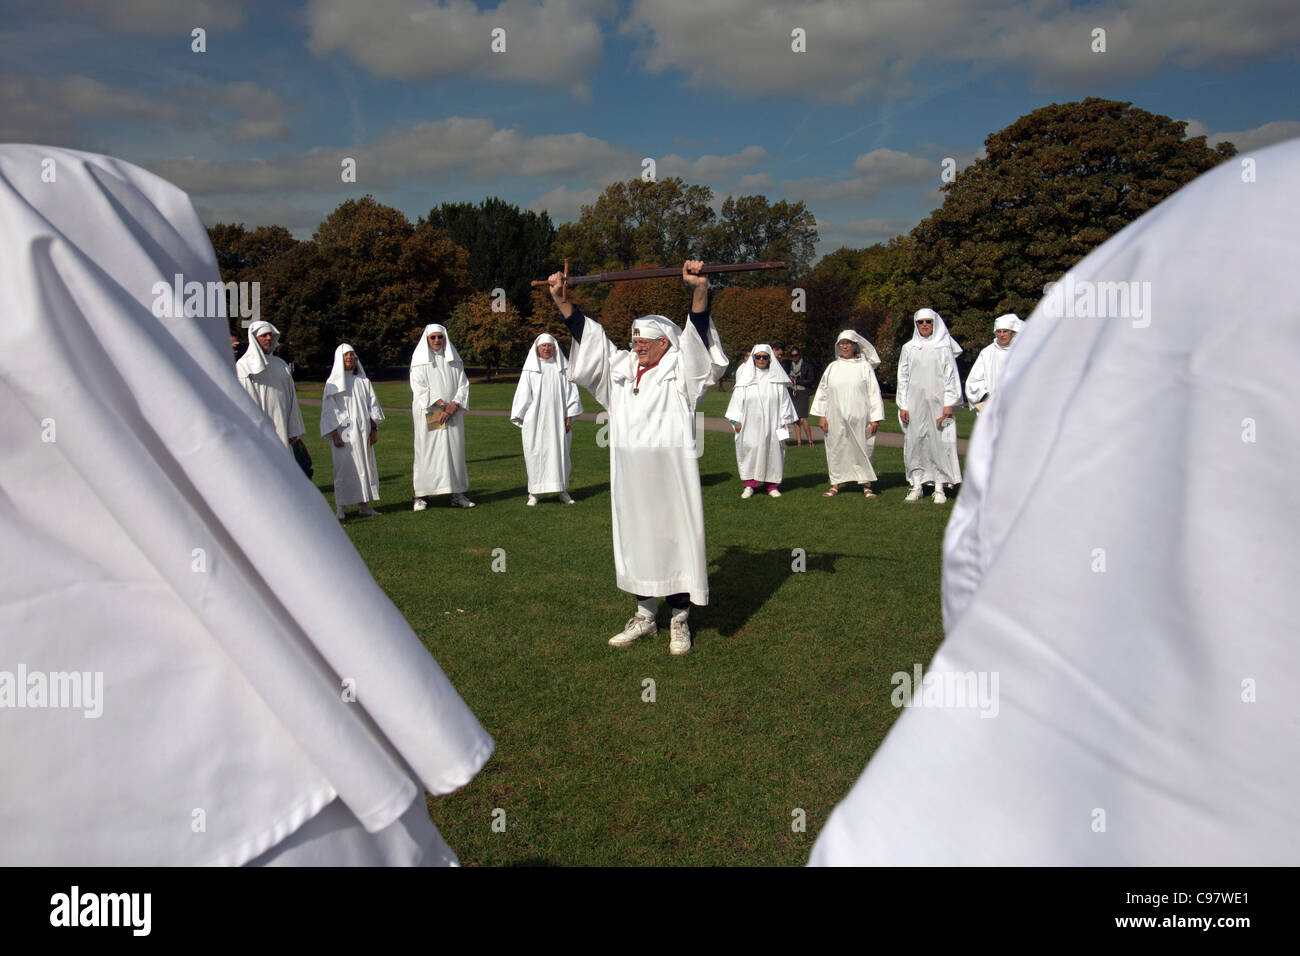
(925, 321)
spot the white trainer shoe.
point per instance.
(460, 501)
(914, 494)
(680, 641)
(747, 493)
(419, 504)
(636, 628)
(338, 512)
(939, 496)
(774, 493)
(366, 511)
(532, 501)
(565, 499)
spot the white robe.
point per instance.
(1123, 556)
(273, 391)
(986, 372)
(439, 454)
(154, 535)
(928, 381)
(356, 478)
(849, 397)
(762, 407)
(543, 400)
(654, 475)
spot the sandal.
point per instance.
(868, 493)
(832, 493)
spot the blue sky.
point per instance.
(857, 125)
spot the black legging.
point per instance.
(678, 602)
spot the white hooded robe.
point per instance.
(1123, 556)
(762, 405)
(439, 453)
(927, 382)
(544, 398)
(349, 404)
(848, 395)
(654, 474)
(154, 537)
(270, 383)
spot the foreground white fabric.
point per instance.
(543, 399)
(154, 532)
(1167, 451)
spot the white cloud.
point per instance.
(873, 173)
(754, 181)
(548, 42)
(164, 16)
(1259, 137)
(1196, 128)
(709, 168)
(564, 204)
(852, 50)
(860, 232)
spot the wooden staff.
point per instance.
(666, 273)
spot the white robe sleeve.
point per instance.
(420, 387)
(735, 407)
(296, 428)
(573, 404)
(978, 384)
(904, 373)
(333, 414)
(376, 410)
(702, 363)
(875, 402)
(787, 416)
(951, 381)
(461, 397)
(818, 406)
(523, 399)
(590, 359)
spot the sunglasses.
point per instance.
(925, 322)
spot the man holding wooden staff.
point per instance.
(651, 393)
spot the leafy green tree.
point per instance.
(508, 247)
(752, 229)
(1053, 186)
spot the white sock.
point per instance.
(682, 614)
(648, 608)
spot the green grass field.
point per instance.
(785, 696)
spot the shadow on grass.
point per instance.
(493, 458)
(742, 580)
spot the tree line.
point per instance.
(1050, 188)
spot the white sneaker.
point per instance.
(680, 641)
(338, 512)
(366, 511)
(532, 501)
(565, 499)
(774, 493)
(939, 496)
(636, 628)
(747, 493)
(460, 501)
(914, 494)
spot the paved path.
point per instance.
(886, 439)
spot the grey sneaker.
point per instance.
(680, 641)
(338, 512)
(636, 628)
(565, 499)
(366, 511)
(460, 501)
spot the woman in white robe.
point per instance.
(987, 370)
(268, 380)
(929, 388)
(439, 387)
(850, 408)
(350, 417)
(1125, 564)
(760, 412)
(239, 703)
(545, 405)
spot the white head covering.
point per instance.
(337, 382)
(155, 537)
(1140, 616)
(423, 355)
(774, 374)
(534, 363)
(254, 360)
(868, 351)
(656, 326)
(1009, 321)
(936, 338)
